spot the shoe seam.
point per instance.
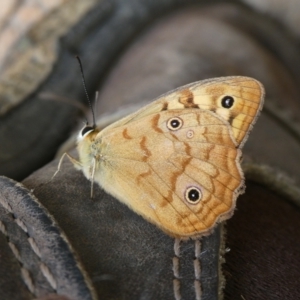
(25, 273)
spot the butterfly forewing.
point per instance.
(210, 94)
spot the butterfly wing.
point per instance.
(178, 168)
(176, 161)
(237, 99)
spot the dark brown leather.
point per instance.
(36, 258)
(263, 237)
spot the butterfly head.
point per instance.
(87, 148)
(87, 133)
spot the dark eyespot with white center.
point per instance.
(174, 123)
(193, 195)
(227, 102)
(87, 129)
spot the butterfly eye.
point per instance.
(193, 195)
(227, 101)
(174, 123)
(86, 130)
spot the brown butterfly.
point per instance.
(176, 161)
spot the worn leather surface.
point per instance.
(264, 247)
(36, 259)
(124, 256)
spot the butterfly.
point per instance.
(176, 161)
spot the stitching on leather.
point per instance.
(6, 205)
(46, 272)
(15, 251)
(176, 280)
(34, 246)
(27, 280)
(3, 229)
(197, 270)
(21, 224)
(24, 272)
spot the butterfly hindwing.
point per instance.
(179, 151)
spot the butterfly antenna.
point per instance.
(86, 93)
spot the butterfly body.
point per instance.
(176, 161)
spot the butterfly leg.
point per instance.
(92, 177)
(75, 162)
